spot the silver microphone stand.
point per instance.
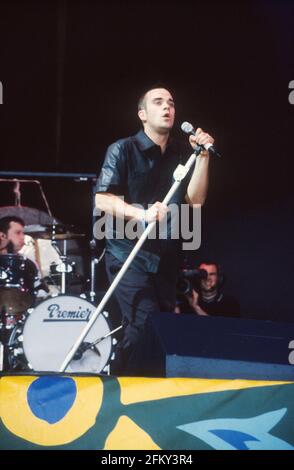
(179, 174)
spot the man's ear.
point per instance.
(3, 236)
(142, 115)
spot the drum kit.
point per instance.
(40, 319)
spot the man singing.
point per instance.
(140, 168)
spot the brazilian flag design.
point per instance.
(93, 413)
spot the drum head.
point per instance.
(53, 327)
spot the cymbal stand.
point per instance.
(94, 262)
(17, 191)
(62, 268)
(93, 249)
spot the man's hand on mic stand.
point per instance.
(201, 138)
(156, 212)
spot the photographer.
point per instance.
(199, 291)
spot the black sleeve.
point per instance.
(112, 177)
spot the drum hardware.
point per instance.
(84, 346)
(7, 324)
(60, 234)
(92, 293)
(15, 354)
(53, 233)
(17, 192)
(94, 262)
(64, 267)
(3, 275)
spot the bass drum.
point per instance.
(50, 330)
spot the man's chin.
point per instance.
(164, 129)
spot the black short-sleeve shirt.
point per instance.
(136, 169)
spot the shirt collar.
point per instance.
(145, 143)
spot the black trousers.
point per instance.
(138, 294)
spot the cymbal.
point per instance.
(58, 227)
(14, 300)
(52, 232)
(57, 236)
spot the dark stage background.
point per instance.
(71, 75)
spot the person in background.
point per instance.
(205, 296)
(11, 234)
(12, 241)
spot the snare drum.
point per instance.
(44, 339)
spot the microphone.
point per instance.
(189, 129)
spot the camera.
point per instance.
(189, 279)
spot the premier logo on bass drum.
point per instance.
(57, 314)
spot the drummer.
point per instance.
(11, 234)
(18, 285)
(12, 240)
